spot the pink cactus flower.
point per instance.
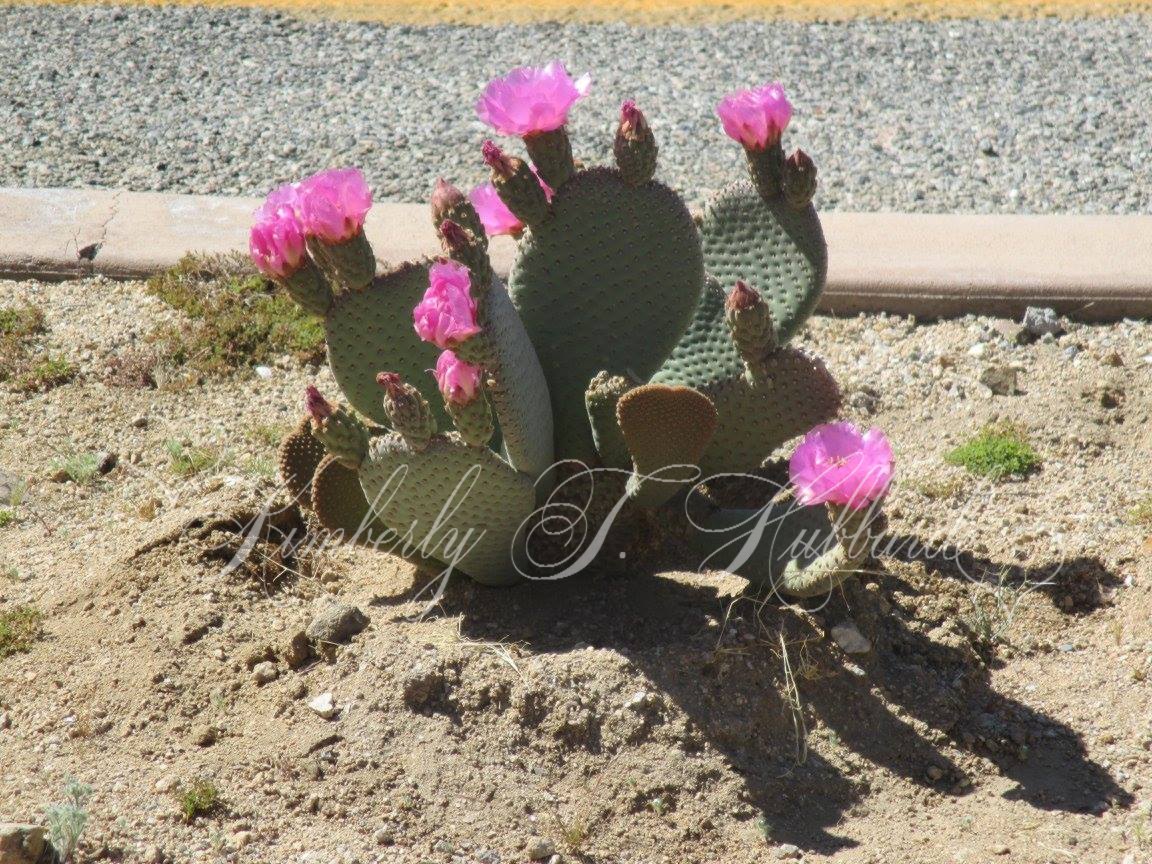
(756, 118)
(530, 99)
(276, 242)
(318, 408)
(836, 464)
(458, 381)
(493, 212)
(333, 204)
(447, 314)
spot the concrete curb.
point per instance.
(1094, 268)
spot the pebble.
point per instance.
(265, 672)
(787, 852)
(848, 636)
(1042, 320)
(873, 150)
(324, 705)
(538, 848)
(1001, 380)
(336, 624)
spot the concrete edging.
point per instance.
(1093, 268)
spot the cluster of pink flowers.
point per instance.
(330, 206)
(531, 99)
(459, 381)
(837, 464)
(447, 314)
(757, 117)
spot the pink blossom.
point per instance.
(835, 463)
(493, 212)
(757, 117)
(276, 241)
(458, 381)
(530, 99)
(447, 314)
(332, 204)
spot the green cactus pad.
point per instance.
(298, 456)
(370, 331)
(340, 505)
(776, 248)
(753, 420)
(600, 400)
(488, 509)
(664, 426)
(608, 283)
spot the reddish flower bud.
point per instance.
(445, 196)
(392, 382)
(497, 160)
(316, 405)
(742, 297)
(633, 123)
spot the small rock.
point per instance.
(166, 784)
(1001, 380)
(848, 636)
(265, 672)
(264, 372)
(999, 849)
(298, 650)
(204, 736)
(1040, 321)
(140, 422)
(384, 837)
(5, 721)
(324, 705)
(422, 685)
(336, 625)
(538, 848)
(152, 855)
(786, 852)
(444, 847)
(21, 844)
(934, 772)
(240, 839)
(1070, 352)
(106, 461)
(979, 349)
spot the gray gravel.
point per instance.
(1008, 116)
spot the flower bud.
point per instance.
(635, 146)
(798, 180)
(341, 432)
(750, 320)
(445, 198)
(318, 408)
(502, 164)
(408, 411)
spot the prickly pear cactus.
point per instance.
(630, 354)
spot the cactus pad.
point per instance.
(778, 249)
(370, 331)
(299, 456)
(449, 496)
(607, 283)
(664, 426)
(340, 505)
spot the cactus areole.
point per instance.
(522, 428)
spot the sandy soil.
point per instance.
(1004, 712)
(676, 12)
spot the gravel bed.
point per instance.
(983, 116)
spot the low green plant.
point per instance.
(199, 799)
(80, 468)
(20, 628)
(998, 450)
(1141, 513)
(268, 434)
(186, 461)
(21, 322)
(238, 319)
(7, 517)
(67, 820)
(43, 375)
